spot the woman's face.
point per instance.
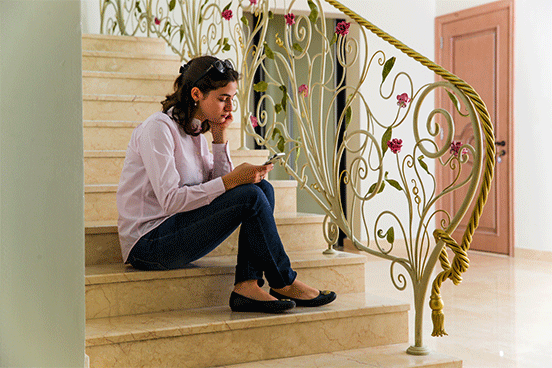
(216, 106)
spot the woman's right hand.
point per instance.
(246, 174)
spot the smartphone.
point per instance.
(274, 157)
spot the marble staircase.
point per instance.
(181, 318)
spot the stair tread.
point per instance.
(210, 265)
(388, 356)
(122, 98)
(126, 75)
(127, 55)
(112, 330)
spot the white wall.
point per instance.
(41, 185)
(533, 119)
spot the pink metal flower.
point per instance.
(342, 28)
(254, 121)
(304, 90)
(227, 14)
(253, 2)
(403, 99)
(290, 19)
(157, 21)
(395, 145)
(455, 148)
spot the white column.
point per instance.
(41, 185)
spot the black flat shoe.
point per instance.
(240, 303)
(323, 298)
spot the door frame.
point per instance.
(468, 13)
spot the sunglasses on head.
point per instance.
(220, 65)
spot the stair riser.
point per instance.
(107, 170)
(136, 45)
(253, 344)
(116, 138)
(119, 110)
(120, 86)
(102, 206)
(160, 295)
(105, 248)
(100, 63)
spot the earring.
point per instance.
(195, 103)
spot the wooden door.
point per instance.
(477, 45)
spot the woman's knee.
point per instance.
(268, 191)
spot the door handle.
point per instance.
(500, 143)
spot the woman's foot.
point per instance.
(249, 297)
(251, 289)
(304, 295)
(298, 290)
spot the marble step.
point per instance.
(124, 62)
(120, 107)
(115, 135)
(109, 83)
(100, 200)
(126, 44)
(388, 356)
(217, 336)
(298, 231)
(104, 167)
(117, 290)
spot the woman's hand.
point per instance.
(218, 129)
(246, 174)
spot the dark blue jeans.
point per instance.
(188, 236)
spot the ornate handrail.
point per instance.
(195, 27)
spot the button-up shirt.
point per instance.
(166, 171)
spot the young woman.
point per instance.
(177, 201)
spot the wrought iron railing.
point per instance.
(381, 119)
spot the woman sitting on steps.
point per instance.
(177, 201)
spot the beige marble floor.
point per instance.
(499, 316)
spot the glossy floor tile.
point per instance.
(499, 316)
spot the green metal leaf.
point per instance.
(284, 97)
(348, 116)
(297, 47)
(181, 33)
(268, 51)
(384, 139)
(314, 11)
(278, 108)
(261, 86)
(387, 68)
(281, 144)
(245, 21)
(172, 4)
(456, 103)
(138, 6)
(389, 235)
(395, 184)
(334, 39)
(423, 164)
(270, 14)
(226, 47)
(373, 187)
(275, 133)
(227, 6)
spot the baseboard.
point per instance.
(537, 255)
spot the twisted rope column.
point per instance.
(460, 262)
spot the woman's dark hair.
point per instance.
(210, 78)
